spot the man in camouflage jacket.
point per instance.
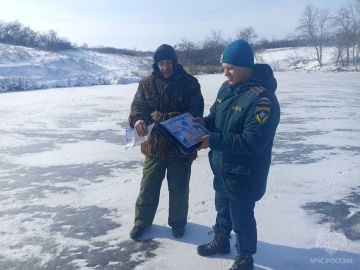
(167, 92)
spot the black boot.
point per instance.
(220, 244)
(136, 232)
(178, 231)
(243, 261)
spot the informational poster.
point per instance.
(183, 132)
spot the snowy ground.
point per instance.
(68, 188)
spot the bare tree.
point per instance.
(17, 34)
(186, 51)
(214, 40)
(346, 33)
(247, 33)
(54, 42)
(11, 32)
(2, 31)
(357, 6)
(213, 46)
(357, 16)
(185, 45)
(314, 26)
(30, 37)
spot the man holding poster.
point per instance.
(168, 92)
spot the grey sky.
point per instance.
(144, 24)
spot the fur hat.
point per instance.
(238, 53)
(165, 51)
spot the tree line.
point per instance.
(341, 30)
(15, 33)
(317, 28)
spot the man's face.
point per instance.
(236, 74)
(166, 67)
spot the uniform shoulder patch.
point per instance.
(263, 101)
(262, 113)
(257, 90)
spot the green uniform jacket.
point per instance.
(158, 99)
(242, 124)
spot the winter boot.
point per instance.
(178, 231)
(220, 244)
(243, 261)
(136, 232)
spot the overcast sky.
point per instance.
(145, 24)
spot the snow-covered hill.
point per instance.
(24, 68)
(296, 59)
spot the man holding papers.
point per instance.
(168, 92)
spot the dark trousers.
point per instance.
(178, 177)
(238, 215)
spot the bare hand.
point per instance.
(199, 120)
(141, 128)
(204, 142)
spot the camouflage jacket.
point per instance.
(158, 99)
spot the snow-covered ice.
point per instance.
(68, 187)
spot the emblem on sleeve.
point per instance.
(263, 101)
(262, 114)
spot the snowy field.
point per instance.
(68, 188)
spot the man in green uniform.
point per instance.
(242, 124)
(167, 92)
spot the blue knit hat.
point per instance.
(238, 53)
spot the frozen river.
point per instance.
(67, 187)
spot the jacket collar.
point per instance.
(262, 76)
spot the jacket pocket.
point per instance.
(235, 177)
(215, 162)
(210, 161)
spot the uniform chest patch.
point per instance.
(236, 108)
(262, 114)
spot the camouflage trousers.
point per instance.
(178, 177)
